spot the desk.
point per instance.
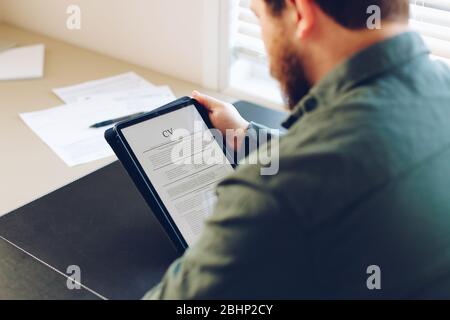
(28, 168)
(99, 222)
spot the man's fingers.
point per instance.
(208, 102)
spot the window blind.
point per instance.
(432, 19)
(247, 41)
(429, 17)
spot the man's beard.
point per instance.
(290, 72)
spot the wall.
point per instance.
(169, 36)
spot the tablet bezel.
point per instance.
(164, 215)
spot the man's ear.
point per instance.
(305, 10)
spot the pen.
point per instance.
(113, 121)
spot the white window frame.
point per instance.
(217, 58)
(220, 16)
(259, 89)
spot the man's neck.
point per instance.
(341, 45)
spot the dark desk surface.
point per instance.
(99, 223)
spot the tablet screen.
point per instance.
(183, 162)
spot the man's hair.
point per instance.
(353, 14)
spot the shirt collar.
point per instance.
(373, 61)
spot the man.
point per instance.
(360, 207)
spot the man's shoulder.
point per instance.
(301, 175)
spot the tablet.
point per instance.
(176, 160)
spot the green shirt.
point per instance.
(364, 180)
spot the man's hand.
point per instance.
(224, 116)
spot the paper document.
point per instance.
(22, 63)
(123, 82)
(141, 100)
(66, 131)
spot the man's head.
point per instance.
(305, 39)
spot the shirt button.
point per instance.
(310, 105)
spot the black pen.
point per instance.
(113, 121)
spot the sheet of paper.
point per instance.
(66, 131)
(22, 63)
(141, 100)
(124, 82)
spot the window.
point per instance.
(432, 19)
(249, 72)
